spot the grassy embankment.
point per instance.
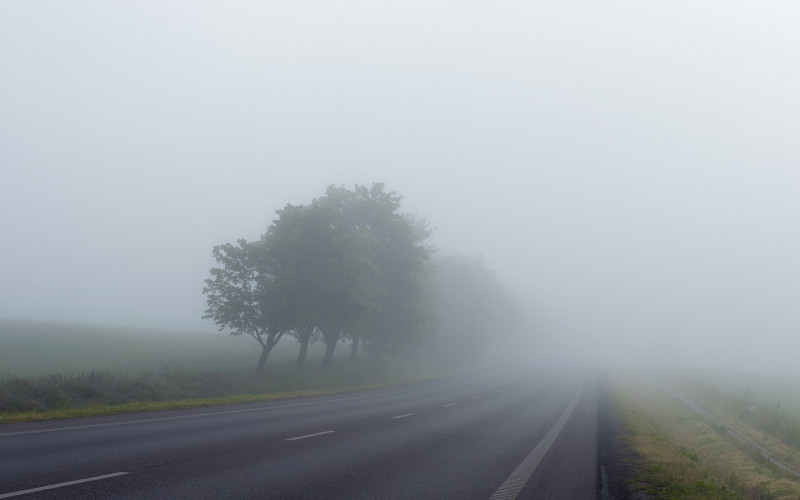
(61, 371)
(683, 455)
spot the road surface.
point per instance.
(477, 436)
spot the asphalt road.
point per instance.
(470, 436)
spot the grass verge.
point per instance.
(766, 424)
(684, 456)
(101, 393)
(146, 406)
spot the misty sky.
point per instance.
(631, 167)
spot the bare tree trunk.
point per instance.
(331, 339)
(262, 360)
(305, 338)
(354, 348)
(266, 348)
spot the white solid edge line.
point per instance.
(60, 485)
(448, 405)
(309, 435)
(404, 415)
(513, 485)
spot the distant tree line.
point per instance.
(475, 313)
(351, 267)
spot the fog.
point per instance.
(630, 168)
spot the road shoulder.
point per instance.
(618, 463)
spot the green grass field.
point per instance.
(764, 390)
(766, 402)
(53, 368)
(31, 349)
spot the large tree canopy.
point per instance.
(349, 265)
(397, 315)
(322, 272)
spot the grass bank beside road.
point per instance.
(52, 371)
(99, 393)
(763, 407)
(681, 454)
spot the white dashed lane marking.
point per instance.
(406, 415)
(309, 435)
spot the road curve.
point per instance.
(469, 436)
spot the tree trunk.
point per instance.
(331, 339)
(262, 360)
(304, 339)
(354, 348)
(266, 348)
(301, 356)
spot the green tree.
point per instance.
(240, 296)
(397, 315)
(347, 266)
(320, 271)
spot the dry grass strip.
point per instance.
(684, 456)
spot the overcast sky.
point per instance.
(631, 167)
